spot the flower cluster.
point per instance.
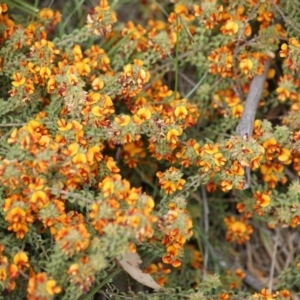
(237, 230)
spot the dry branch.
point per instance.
(245, 126)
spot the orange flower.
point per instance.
(224, 296)
(270, 145)
(283, 93)
(171, 253)
(226, 185)
(285, 294)
(3, 8)
(39, 284)
(237, 168)
(13, 271)
(237, 230)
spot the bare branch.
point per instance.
(245, 126)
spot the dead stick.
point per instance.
(245, 126)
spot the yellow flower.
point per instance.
(284, 50)
(73, 149)
(39, 197)
(173, 134)
(246, 65)
(180, 112)
(122, 120)
(226, 185)
(18, 79)
(79, 158)
(128, 70)
(20, 259)
(231, 27)
(219, 159)
(211, 149)
(3, 274)
(72, 78)
(141, 115)
(92, 98)
(83, 68)
(237, 110)
(284, 154)
(63, 125)
(144, 113)
(46, 13)
(52, 288)
(98, 111)
(45, 72)
(111, 165)
(97, 84)
(51, 85)
(262, 199)
(103, 5)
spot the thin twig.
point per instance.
(196, 86)
(270, 286)
(286, 19)
(20, 124)
(206, 227)
(188, 80)
(290, 174)
(23, 274)
(40, 245)
(193, 183)
(76, 196)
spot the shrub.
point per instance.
(139, 134)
